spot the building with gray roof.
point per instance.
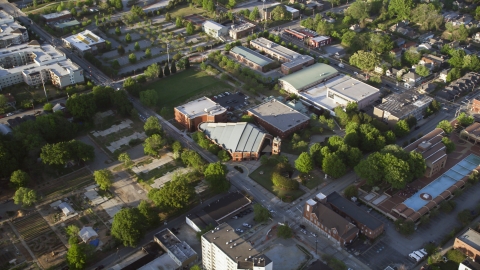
(278, 119)
(307, 77)
(243, 141)
(399, 106)
(251, 58)
(178, 250)
(192, 113)
(222, 248)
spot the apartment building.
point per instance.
(33, 64)
(84, 42)
(11, 33)
(251, 58)
(273, 50)
(214, 29)
(223, 249)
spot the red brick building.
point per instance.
(191, 114)
(320, 41)
(469, 244)
(476, 105)
(278, 119)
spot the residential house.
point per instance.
(394, 73)
(314, 5)
(424, 46)
(402, 24)
(476, 37)
(330, 20)
(399, 42)
(397, 52)
(450, 16)
(460, 87)
(411, 79)
(425, 37)
(408, 45)
(436, 42)
(469, 264)
(426, 88)
(355, 27)
(381, 68)
(431, 61)
(465, 19)
(443, 75)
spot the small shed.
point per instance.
(58, 107)
(87, 234)
(66, 208)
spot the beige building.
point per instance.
(33, 64)
(84, 42)
(469, 244)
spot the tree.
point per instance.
(128, 38)
(136, 46)
(422, 71)
(128, 226)
(152, 126)
(455, 255)
(82, 106)
(446, 126)
(358, 10)
(25, 196)
(195, 267)
(118, 32)
(125, 158)
(364, 60)
(174, 195)
(397, 171)
(3, 101)
(465, 120)
(103, 96)
(371, 169)
(149, 97)
(216, 177)
(427, 16)
(103, 178)
(149, 214)
(166, 70)
(192, 159)
(19, 179)
(254, 15)
(63, 152)
(153, 145)
(282, 182)
(453, 74)
(153, 71)
(179, 22)
(280, 13)
(304, 163)
(72, 230)
(471, 62)
(401, 128)
(465, 216)
(448, 144)
(456, 58)
(231, 3)
(400, 8)
(261, 214)
(411, 56)
(190, 28)
(120, 50)
(148, 53)
(132, 58)
(351, 191)
(168, 17)
(324, 27)
(333, 165)
(223, 155)
(173, 67)
(76, 257)
(284, 231)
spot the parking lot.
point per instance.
(231, 101)
(237, 220)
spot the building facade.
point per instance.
(273, 50)
(297, 64)
(476, 105)
(320, 41)
(251, 58)
(191, 114)
(84, 42)
(214, 29)
(469, 244)
(223, 249)
(241, 30)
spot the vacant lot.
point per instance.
(183, 11)
(186, 85)
(263, 176)
(65, 184)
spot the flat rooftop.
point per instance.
(317, 96)
(67, 24)
(84, 40)
(180, 249)
(226, 205)
(8, 31)
(253, 56)
(274, 47)
(352, 88)
(309, 76)
(300, 60)
(213, 25)
(235, 247)
(279, 115)
(471, 238)
(319, 38)
(200, 107)
(401, 104)
(473, 129)
(242, 27)
(56, 14)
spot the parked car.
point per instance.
(303, 231)
(247, 225)
(239, 230)
(303, 226)
(10, 114)
(235, 217)
(227, 93)
(313, 234)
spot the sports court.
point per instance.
(195, 19)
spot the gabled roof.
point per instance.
(234, 137)
(86, 233)
(331, 220)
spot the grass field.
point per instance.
(266, 182)
(65, 184)
(185, 11)
(186, 85)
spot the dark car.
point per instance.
(303, 227)
(99, 267)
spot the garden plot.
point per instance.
(160, 182)
(115, 145)
(115, 128)
(63, 185)
(146, 168)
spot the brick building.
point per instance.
(243, 141)
(252, 59)
(278, 119)
(432, 149)
(320, 41)
(241, 30)
(476, 105)
(296, 64)
(327, 222)
(469, 244)
(191, 114)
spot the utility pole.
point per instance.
(43, 83)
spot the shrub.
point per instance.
(455, 255)
(284, 183)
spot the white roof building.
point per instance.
(214, 29)
(87, 234)
(85, 41)
(66, 208)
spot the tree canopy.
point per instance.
(304, 163)
(216, 177)
(174, 195)
(76, 256)
(103, 178)
(19, 179)
(63, 152)
(465, 120)
(401, 128)
(25, 196)
(153, 71)
(446, 126)
(82, 106)
(261, 214)
(400, 8)
(152, 126)
(364, 60)
(128, 226)
(153, 145)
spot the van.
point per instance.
(414, 257)
(419, 254)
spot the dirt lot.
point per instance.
(128, 190)
(286, 256)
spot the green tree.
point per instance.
(125, 158)
(120, 50)
(132, 58)
(216, 177)
(128, 226)
(231, 3)
(411, 56)
(166, 70)
(128, 38)
(195, 267)
(148, 53)
(358, 10)
(3, 101)
(334, 166)
(72, 230)
(177, 147)
(118, 32)
(149, 97)
(63, 152)
(153, 71)
(103, 96)
(173, 67)
(76, 257)
(82, 106)
(223, 155)
(465, 120)
(427, 16)
(400, 8)
(19, 179)
(280, 13)
(453, 74)
(190, 28)
(351, 191)
(465, 216)
(254, 15)
(261, 214)
(364, 60)
(148, 213)
(282, 182)
(174, 195)
(456, 58)
(446, 126)
(304, 163)
(324, 27)
(401, 128)
(25, 196)
(397, 171)
(153, 145)
(179, 22)
(168, 17)
(471, 62)
(422, 71)
(152, 126)
(316, 154)
(192, 159)
(405, 227)
(103, 178)
(285, 232)
(448, 144)
(136, 46)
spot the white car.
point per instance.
(247, 225)
(10, 114)
(303, 231)
(239, 230)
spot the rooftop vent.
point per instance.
(231, 246)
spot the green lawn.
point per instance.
(265, 180)
(185, 11)
(186, 85)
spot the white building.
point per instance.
(32, 63)
(11, 33)
(223, 249)
(214, 29)
(84, 42)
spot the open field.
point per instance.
(266, 182)
(185, 11)
(185, 85)
(65, 184)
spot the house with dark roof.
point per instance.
(216, 212)
(460, 87)
(432, 149)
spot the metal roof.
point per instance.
(252, 56)
(309, 76)
(234, 137)
(279, 115)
